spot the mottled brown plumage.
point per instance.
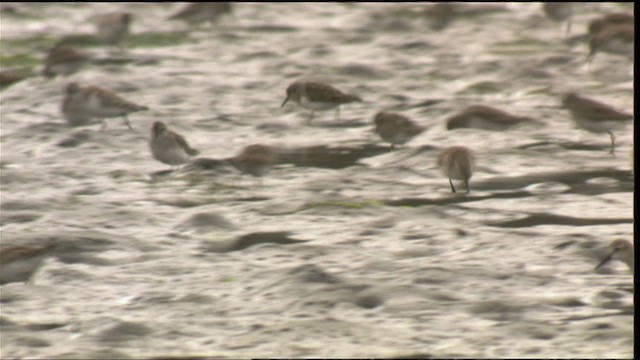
(595, 116)
(63, 60)
(596, 25)
(395, 128)
(613, 39)
(318, 96)
(169, 147)
(83, 103)
(484, 117)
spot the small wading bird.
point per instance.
(63, 60)
(457, 162)
(613, 39)
(485, 118)
(255, 160)
(113, 27)
(559, 12)
(317, 96)
(395, 128)
(197, 13)
(620, 250)
(169, 147)
(595, 116)
(20, 263)
(83, 103)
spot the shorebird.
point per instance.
(197, 13)
(255, 160)
(395, 128)
(317, 96)
(457, 162)
(20, 263)
(63, 60)
(559, 12)
(486, 118)
(83, 103)
(595, 116)
(169, 147)
(620, 250)
(613, 39)
(111, 28)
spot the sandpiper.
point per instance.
(457, 162)
(395, 128)
(111, 28)
(83, 103)
(613, 39)
(169, 147)
(19, 263)
(559, 12)
(63, 60)
(485, 118)
(620, 250)
(595, 116)
(255, 160)
(596, 25)
(439, 15)
(318, 96)
(196, 13)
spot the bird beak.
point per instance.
(605, 260)
(284, 102)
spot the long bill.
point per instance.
(284, 102)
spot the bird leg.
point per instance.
(466, 183)
(452, 188)
(126, 121)
(613, 145)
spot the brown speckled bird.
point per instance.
(395, 128)
(169, 147)
(316, 96)
(595, 116)
(485, 118)
(83, 103)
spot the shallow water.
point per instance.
(352, 251)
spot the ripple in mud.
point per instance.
(248, 240)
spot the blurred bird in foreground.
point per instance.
(613, 39)
(440, 15)
(560, 12)
(256, 160)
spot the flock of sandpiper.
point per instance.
(612, 33)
